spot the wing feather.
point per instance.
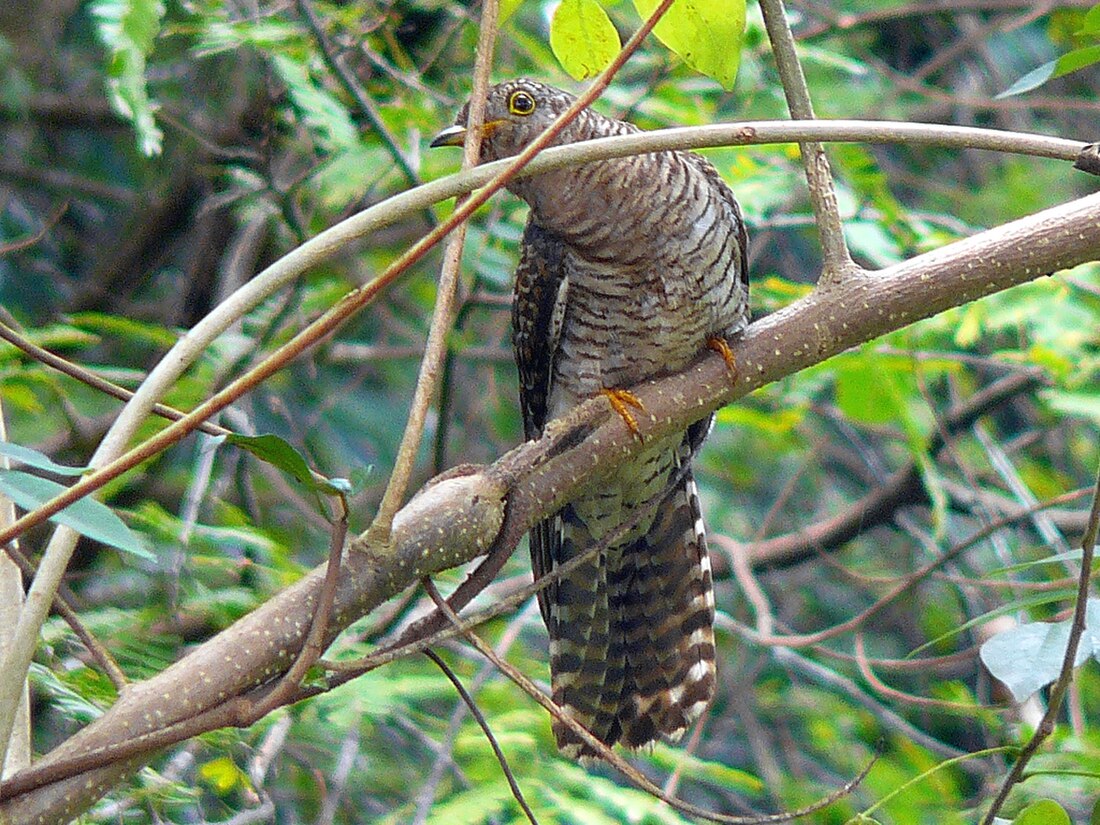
(538, 309)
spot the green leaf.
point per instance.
(87, 516)
(40, 461)
(1091, 23)
(1067, 63)
(279, 453)
(869, 397)
(1057, 558)
(1007, 609)
(131, 330)
(275, 451)
(1043, 812)
(222, 775)
(1027, 657)
(1083, 404)
(583, 38)
(128, 29)
(706, 34)
(320, 111)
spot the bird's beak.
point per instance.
(451, 136)
(456, 135)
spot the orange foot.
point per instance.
(719, 345)
(621, 401)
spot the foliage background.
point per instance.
(263, 147)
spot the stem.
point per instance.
(837, 259)
(1065, 677)
(435, 352)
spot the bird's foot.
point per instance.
(722, 347)
(621, 401)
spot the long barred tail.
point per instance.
(632, 634)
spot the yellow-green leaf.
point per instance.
(222, 775)
(1043, 812)
(706, 34)
(583, 38)
(508, 8)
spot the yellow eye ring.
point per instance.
(521, 103)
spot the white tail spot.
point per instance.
(699, 671)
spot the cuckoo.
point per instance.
(628, 269)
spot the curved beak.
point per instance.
(456, 135)
(451, 136)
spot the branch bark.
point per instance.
(457, 519)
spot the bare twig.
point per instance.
(362, 99)
(620, 764)
(15, 750)
(833, 680)
(836, 258)
(809, 639)
(435, 351)
(34, 238)
(1065, 677)
(903, 487)
(883, 689)
(94, 381)
(313, 646)
(425, 795)
(475, 711)
(923, 8)
(63, 605)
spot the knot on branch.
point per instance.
(459, 509)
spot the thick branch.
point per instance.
(457, 519)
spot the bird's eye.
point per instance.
(521, 103)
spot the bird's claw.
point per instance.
(621, 401)
(720, 345)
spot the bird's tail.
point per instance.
(632, 633)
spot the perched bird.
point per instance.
(628, 269)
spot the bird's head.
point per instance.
(515, 113)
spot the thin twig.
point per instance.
(837, 260)
(809, 639)
(845, 686)
(34, 238)
(475, 711)
(63, 605)
(15, 750)
(313, 645)
(94, 381)
(885, 690)
(435, 352)
(1065, 677)
(425, 794)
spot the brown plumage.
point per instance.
(628, 267)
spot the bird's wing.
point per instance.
(538, 307)
(538, 310)
(722, 188)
